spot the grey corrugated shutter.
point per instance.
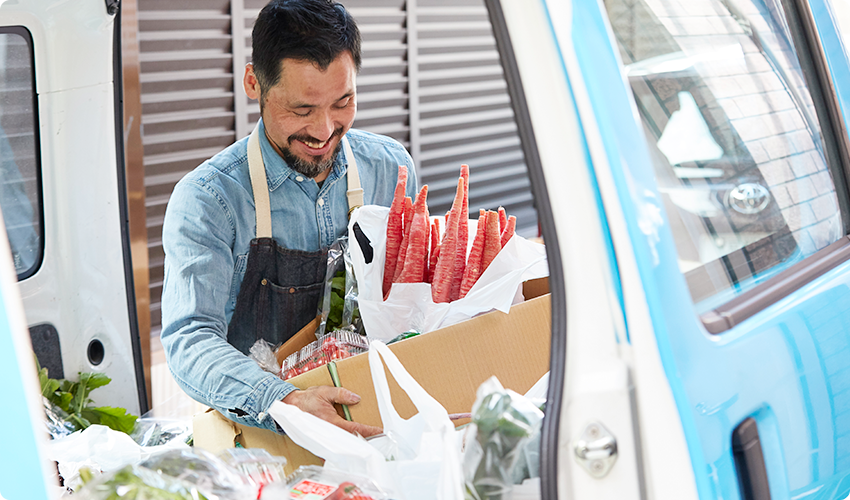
(430, 78)
(187, 104)
(465, 115)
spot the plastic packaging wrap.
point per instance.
(263, 352)
(55, 421)
(160, 431)
(256, 465)
(210, 474)
(339, 308)
(502, 422)
(334, 346)
(331, 484)
(139, 483)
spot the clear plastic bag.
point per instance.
(263, 352)
(502, 423)
(210, 474)
(331, 484)
(256, 465)
(150, 431)
(56, 422)
(339, 308)
(139, 483)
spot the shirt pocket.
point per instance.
(238, 275)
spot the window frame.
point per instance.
(836, 144)
(24, 33)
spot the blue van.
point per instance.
(689, 161)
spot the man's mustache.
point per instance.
(309, 138)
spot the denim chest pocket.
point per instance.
(238, 274)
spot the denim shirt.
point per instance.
(209, 224)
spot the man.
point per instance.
(235, 273)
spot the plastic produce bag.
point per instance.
(56, 423)
(339, 307)
(209, 474)
(502, 422)
(139, 483)
(424, 462)
(409, 306)
(150, 431)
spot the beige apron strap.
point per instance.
(257, 170)
(355, 192)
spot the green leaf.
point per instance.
(115, 418)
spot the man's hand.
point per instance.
(319, 401)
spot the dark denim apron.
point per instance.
(281, 289)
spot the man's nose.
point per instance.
(322, 126)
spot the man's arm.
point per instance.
(198, 233)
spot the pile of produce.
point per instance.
(416, 252)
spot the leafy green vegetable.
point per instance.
(73, 399)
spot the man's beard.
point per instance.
(316, 164)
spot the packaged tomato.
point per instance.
(333, 346)
(312, 482)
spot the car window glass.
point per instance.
(19, 164)
(733, 135)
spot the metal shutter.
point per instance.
(464, 113)
(187, 104)
(430, 78)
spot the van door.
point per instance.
(62, 191)
(728, 164)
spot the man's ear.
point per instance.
(250, 83)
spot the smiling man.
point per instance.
(246, 233)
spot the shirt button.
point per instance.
(321, 202)
(291, 290)
(299, 179)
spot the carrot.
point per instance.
(509, 230)
(473, 265)
(395, 229)
(402, 250)
(416, 260)
(441, 285)
(503, 220)
(435, 250)
(462, 236)
(492, 241)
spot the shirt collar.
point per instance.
(277, 170)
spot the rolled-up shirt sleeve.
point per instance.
(198, 236)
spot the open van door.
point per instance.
(63, 194)
(715, 132)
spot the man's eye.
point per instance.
(343, 103)
(303, 113)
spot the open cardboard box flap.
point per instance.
(449, 363)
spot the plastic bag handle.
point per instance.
(428, 407)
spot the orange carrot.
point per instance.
(473, 265)
(509, 230)
(402, 250)
(435, 250)
(503, 219)
(441, 285)
(492, 241)
(462, 236)
(416, 258)
(395, 229)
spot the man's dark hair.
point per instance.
(308, 30)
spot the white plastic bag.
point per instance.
(426, 461)
(409, 306)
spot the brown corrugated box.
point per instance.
(449, 363)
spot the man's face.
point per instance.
(308, 111)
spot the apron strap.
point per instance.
(257, 171)
(355, 192)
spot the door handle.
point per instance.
(749, 461)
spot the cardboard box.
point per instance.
(449, 363)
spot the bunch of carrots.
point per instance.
(417, 254)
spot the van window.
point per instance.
(734, 137)
(20, 186)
